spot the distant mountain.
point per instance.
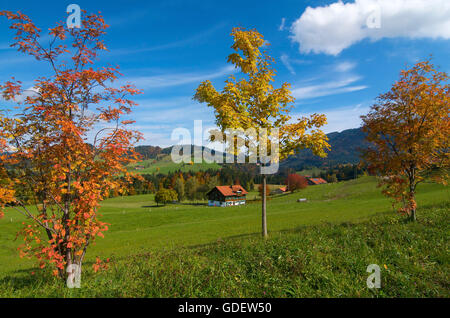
(156, 152)
(148, 152)
(345, 148)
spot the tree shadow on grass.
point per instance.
(34, 278)
(152, 206)
(173, 204)
(26, 279)
(193, 204)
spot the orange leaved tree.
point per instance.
(295, 181)
(65, 141)
(409, 129)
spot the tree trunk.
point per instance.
(264, 220)
(413, 215)
(412, 194)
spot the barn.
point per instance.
(280, 190)
(227, 196)
(316, 181)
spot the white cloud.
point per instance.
(345, 66)
(339, 86)
(191, 40)
(176, 79)
(29, 92)
(282, 25)
(341, 118)
(285, 60)
(289, 62)
(330, 29)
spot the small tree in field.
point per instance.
(165, 196)
(296, 182)
(252, 103)
(409, 131)
(51, 143)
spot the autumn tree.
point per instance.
(191, 188)
(295, 181)
(253, 103)
(165, 196)
(66, 141)
(409, 128)
(179, 188)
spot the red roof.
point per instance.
(317, 180)
(231, 190)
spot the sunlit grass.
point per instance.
(138, 226)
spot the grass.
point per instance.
(271, 187)
(318, 248)
(310, 171)
(165, 165)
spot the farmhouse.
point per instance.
(226, 196)
(280, 190)
(316, 181)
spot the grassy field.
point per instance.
(217, 251)
(165, 165)
(310, 171)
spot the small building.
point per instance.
(280, 190)
(316, 181)
(227, 196)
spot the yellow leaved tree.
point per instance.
(251, 103)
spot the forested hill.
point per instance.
(345, 148)
(156, 152)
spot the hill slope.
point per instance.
(345, 148)
(321, 260)
(159, 160)
(138, 225)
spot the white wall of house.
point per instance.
(223, 204)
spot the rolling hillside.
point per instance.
(142, 233)
(345, 148)
(158, 160)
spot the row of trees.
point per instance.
(203, 181)
(190, 185)
(341, 172)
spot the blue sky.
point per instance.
(336, 61)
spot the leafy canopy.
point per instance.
(252, 102)
(409, 128)
(66, 141)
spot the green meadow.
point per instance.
(318, 248)
(165, 165)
